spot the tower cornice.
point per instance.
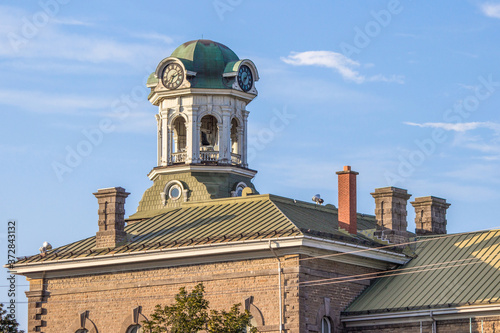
(157, 96)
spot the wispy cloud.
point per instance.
(155, 36)
(491, 9)
(51, 103)
(55, 41)
(459, 127)
(71, 21)
(346, 67)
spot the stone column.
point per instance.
(37, 297)
(165, 138)
(244, 162)
(225, 137)
(159, 129)
(196, 140)
(192, 135)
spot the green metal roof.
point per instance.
(221, 221)
(448, 271)
(208, 59)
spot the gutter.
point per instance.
(150, 255)
(421, 315)
(364, 251)
(203, 250)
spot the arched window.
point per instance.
(179, 135)
(326, 325)
(134, 329)
(235, 143)
(209, 133)
(234, 137)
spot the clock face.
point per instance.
(245, 78)
(173, 75)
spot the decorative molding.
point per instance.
(254, 311)
(133, 319)
(294, 244)
(83, 322)
(202, 168)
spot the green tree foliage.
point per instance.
(7, 324)
(189, 314)
(230, 322)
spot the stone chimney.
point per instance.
(430, 215)
(390, 212)
(347, 200)
(111, 216)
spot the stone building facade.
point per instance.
(296, 266)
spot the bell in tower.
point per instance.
(201, 91)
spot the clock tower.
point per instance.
(202, 91)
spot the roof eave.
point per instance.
(246, 246)
(392, 318)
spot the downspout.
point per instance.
(434, 328)
(279, 287)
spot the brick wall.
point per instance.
(336, 293)
(111, 298)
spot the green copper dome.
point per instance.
(209, 60)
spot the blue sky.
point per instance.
(405, 92)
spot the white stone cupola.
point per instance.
(202, 91)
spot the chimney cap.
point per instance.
(430, 200)
(111, 190)
(392, 191)
(346, 170)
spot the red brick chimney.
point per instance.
(347, 200)
(111, 216)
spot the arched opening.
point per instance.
(326, 325)
(82, 331)
(235, 143)
(179, 142)
(209, 139)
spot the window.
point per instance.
(134, 329)
(326, 326)
(238, 191)
(209, 134)
(174, 192)
(179, 127)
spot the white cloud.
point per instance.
(71, 21)
(345, 66)
(459, 127)
(155, 36)
(55, 40)
(491, 9)
(50, 103)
